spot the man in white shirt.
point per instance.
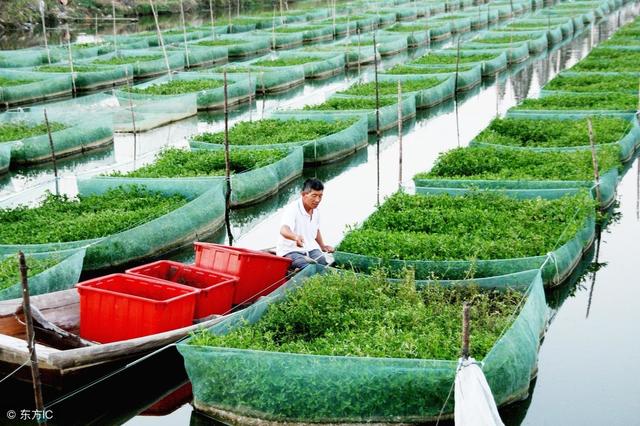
(300, 239)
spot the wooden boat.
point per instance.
(63, 357)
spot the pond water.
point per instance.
(588, 362)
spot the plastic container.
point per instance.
(216, 290)
(120, 307)
(258, 273)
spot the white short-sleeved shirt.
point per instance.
(301, 223)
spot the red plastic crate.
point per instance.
(258, 273)
(120, 306)
(216, 290)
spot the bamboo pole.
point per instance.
(184, 34)
(399, 134)
(273, 30)
(375, 66)
(53, 151)
(133, 120)
(67, 36)
(359, 53)
(466, 331)
(595, 270)
(594, 158)
(160, 38)
(250, 97)
(213, 20)
(115, 37)
(31, 339)
(455, 92)
(227, 163)
(44, 30)
(96, 36)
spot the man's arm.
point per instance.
(286, 232)
(322, 245)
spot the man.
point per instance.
(300, 239)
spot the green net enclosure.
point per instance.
(88, 77)
(20, 87)
(243, 385)
(5, 157)
(145, 62)
(48, 272)
(26, 132)
(453, 252)
(238, 46)
(249, 184)
(324, 136)
(465, 77)
(316, 65)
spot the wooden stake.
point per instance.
(184, 35)
(399, 134)
(53, 151)
(227, 163)
(465, 331)
(213, 20)
(160, 38)
(31, 339)
(44, 31)
(273, 30)
(96, 26)
(594, 157)
(359, 52)
(250, 97)
(73, 74)
(455, 92)
(133, 120)
(115, 37)
(375, 66)
(264, 93)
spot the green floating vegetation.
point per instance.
(176, 162)
(595, 83)
(622, 41)
(506, 39)
(66, 68)
(299, 29)
(408, 69)
(435, 59)
(390, 87)
(350, 103)
(220, 42)
(603, 59)
(407, 28)
(526, 132)
(597, 101)
(8, 82)
(284, 62)
(344, 314)
(121, 60)
(10, 270)
(63, 219)
(272, 131)
(19, 130)
(482, 225)
(177, 87)
(508, 164)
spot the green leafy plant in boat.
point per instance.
(19, 130)
(390, 87)
(595, 83)
(10, 269)
(8, 82)
(434, 59)
(177, 87)
(351, 104)
(598, 101)
(284, 62)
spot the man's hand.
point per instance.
(328, 249)
(299, 241)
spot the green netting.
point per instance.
(415, 35)
(25, 57)
(325, 64)
(268, 79)
(388, 113)
(35, 87)
(149, 111)
(524, 189)
(354, 53)
(239, 385)
(200, 56)
(516, 53)
(61, 276)
(311, 33)
(553, 34)
(564, 24)
(385, 19)
(281, 41)
(343, 25)
(247, 188)
(79, 136)
(627, 144)
(5, 157)
(237, 45)
(151, 62)
(238, 91)
(536, 41)
(325, 149)
(430, 97)
(467, 78)
(458, 24)
(87, 76)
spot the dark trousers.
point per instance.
(300, 261)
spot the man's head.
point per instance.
(312, 193)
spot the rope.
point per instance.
(16, 370)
